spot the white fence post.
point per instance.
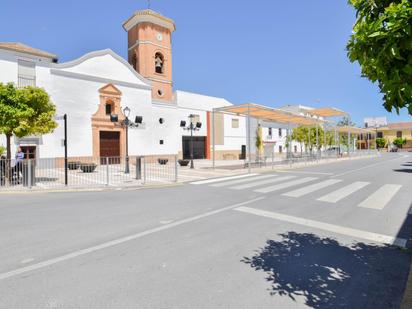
(107, 171)
(176, 169)
(29, 184)
(144, 170)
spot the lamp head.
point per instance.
(126, 111)
(182, 123)
(198, 125)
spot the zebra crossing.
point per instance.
(296, 186)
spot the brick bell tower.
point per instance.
(150, 50)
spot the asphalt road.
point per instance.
(315, 237)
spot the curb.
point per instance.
(97, 189)
(407, 296)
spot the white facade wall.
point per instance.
(73, 88)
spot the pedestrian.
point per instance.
(2, 170)
(18, 167)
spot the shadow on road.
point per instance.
(331, 275)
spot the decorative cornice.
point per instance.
(159, 80)
(150, 17)
(143, 42)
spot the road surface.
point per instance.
(327, 236)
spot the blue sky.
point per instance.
(269, 52)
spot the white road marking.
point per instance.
(364, 167)
(262, 182)
(380, 198)
(312, 188)
(285, 185)
(341, 193)
(26, 261)
(234, 182)
(380, 238)
(119, 241)
(303, 172)
(202, 182)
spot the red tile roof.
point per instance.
(400, 125)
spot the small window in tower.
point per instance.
(159, 63)
(108, 108)
(160, 93)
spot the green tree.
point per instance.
(300, 135)
(399, 142)
(2, 150)
(344, 138)
(25, 111)
(381, 142)
(382, 44)
(307, 136)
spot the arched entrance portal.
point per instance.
(108, 139)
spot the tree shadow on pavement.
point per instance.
(331, 275)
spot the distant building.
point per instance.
(375, 122)
(389, 131)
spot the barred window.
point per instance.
(26, 73)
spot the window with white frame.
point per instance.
(280, 132)
(235, 123)
(280, 149)
(26, 73)
(270, 132)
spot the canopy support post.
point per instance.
(248, 139)
(213, 138)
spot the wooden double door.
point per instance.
(110, 145)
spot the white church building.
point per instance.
(101, 83)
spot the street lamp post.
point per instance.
(192, 127)
(126, 123)
(126, 112)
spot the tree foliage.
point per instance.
(346, 122)
(25, 111)
(382, 44)
(381, 142)
(307, 136)
(399, 142)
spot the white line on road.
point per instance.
(380, 238)
(364, 167)
(381, 197)
(285, 185)
(119, 241)
(341, 193)
(202, 182)
(312, 188)
(234, 182)
(260, 183)
(303, 172)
